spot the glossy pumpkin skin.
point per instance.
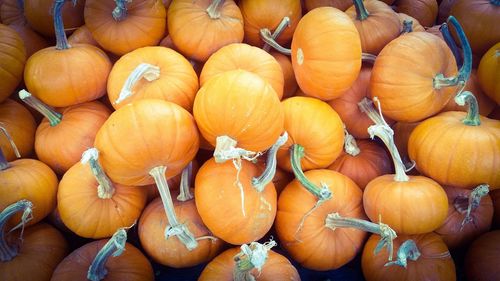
(42, 249)
(482, 257)
(241, 105)
(489, 71)
(316, 246)
(171, 252)
(245, 57)
(406, 93)
(313, 124)
(61, 146)
(416, 26)
(82, 35)
(276, 267)
(216, 196)
(11, 13)
(258, 14)
(32, 40)
(379, 28)
(326, 53)
(144, 24)
(425, 11)
(196, 34)
(31, 180)
(177, 83)
(290, 85)
(455, 154)
(131, 265)
(339, 4)
(434, 263)
(141, 134)
(12, 59)
(21, 126)
(38, 13)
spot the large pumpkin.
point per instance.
(12, 59)
(482, 258)
(20, 126)
(339, 4)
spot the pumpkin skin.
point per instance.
(39, 16)
(21, 126)
(143, 25)
(435, 262)
(216, 195)
(62, 145)
(482, 258)
(11, 13)
(42, 249)
(196, 34)
(290, 86)
(339, 4)
(82, 35)
(416, 26)
(32, 40)
(444, 10)
(314, 125)
(489, 71)
(276, 267)
(153, 123)
(12, 59)
(316, 246)
(177, 82)
(245, 57)
(425, 11)
(326, 53)
(495, 197)
(131, 265)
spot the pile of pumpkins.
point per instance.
(343, 128)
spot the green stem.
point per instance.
(61, 39)
(144, 70)
(53, 116)
(105, 190)
(296, 154)
(120, 11)
(10, 139)
(285, 22)
(267, 176)
(10, 251)
(266, 36)
(361, 12)
(185, 193)
(114, 247)
(366, 106)
(251, 256)
(473, 117)
(213, 9)
(366, 57)
(445, 31)
(407, 250)
(407, 26)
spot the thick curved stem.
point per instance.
(366, 106)
(144, 70)
(266, 36)
(174, 228)
(106, 189)
(407, 250)
(361, 12)
(185, 185)
(48, 112)
(10, 140)
(285, 22)
(267, 176)
(445, 31)
(296, 154)
(251, 256)
(350, 145)
(120, 11)
(366, 57)
(468, 205)
(61, 39)
(473, 117)
(213, 9)
(225, 149)
(114, 247)
(9, 251)
(407, 27)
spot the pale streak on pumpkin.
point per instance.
(300, 56)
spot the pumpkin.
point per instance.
(30, 253)
(12, 59)
(420, 257)
(376, 23)
(444, 10)
(82, 35)
(281, 179)
(482, 257)
(33, 42)
(469, 215)
(123, 26)
(339, 4)
(19, 124)
(402, 132)
(466, 155)
(245, 57)
(255, 261)
(107, 259)
(290, 84)
(489, 71)
(12, 13)
(85, 193)
(415, 25)
(200, 28)
(39, 14)
(425, 11)
(65, 69)
(326, 53)
(152, 72)
(495, 197)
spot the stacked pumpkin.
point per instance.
(209, 126)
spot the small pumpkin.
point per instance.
(482, 257)
(489, 71)
(290, 86)
(82, 35)
(12, 60)
(39, 15)
(12, 12)
(19, 124)
(33, 42)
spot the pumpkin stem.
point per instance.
(266, 36)
(350, 145)
(267, 176)
(285, 22)
(335, 220)
(495, 2)
(445, 31)
(253, 255)
(468, 204)
(144, 70)
(225, 149)
(10, 139)
(174, 228)
(213, 9)
(114, 247)
(105, 190)
(473, 117)
(366, 106)
(61, 39)
(366, 57)
(361, 12)
(10, 251)
(407, 250)
(120, 11)
(4, 164)
(464, 72)
(48, 112)
(407, 27)
(185, 193)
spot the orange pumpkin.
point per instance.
(200, 28)
(326, 53)
(39, 15)
(339, 4)
(32, 40)
(82, 35)
(290, 86)
(123, 26)
(482, 258)
(12, 13)
(12, 59)
(425, 11)
(489, 71)
(20, 125)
